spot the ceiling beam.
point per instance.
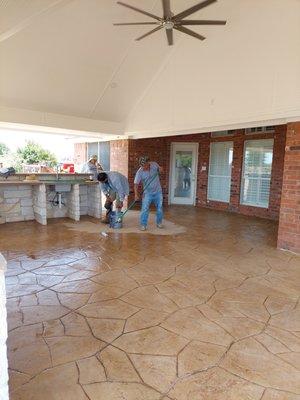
(30, 20)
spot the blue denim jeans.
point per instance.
(157, 199)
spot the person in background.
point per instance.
(186, 177)
(115, 186)
(92, 167)
(148, 175)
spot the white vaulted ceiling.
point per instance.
(64, 64)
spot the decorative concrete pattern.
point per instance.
(211, 314)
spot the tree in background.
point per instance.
(3, 149)
(33, 153)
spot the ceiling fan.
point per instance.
(169, 21)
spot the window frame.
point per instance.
(259, 130)
(249, 204)
(209, 168)
(222, 134)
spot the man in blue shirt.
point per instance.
(115, 187)
(148, 175)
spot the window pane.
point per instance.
(104, 155)
(257, 169)
(219, 179)
(92, 149)
(183, 170)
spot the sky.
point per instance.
(62, 147)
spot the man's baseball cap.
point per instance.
(143, 160)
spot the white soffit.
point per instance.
(64, 65)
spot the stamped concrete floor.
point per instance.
(211, 314)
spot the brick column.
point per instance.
(119, 160)
(289, 218)
(119, 152)
(203, 167)
(236, 171)
(80, 153)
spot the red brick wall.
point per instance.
(159, 149)
(156, 149)
(119, 156)
(289, 221)
(80, 153)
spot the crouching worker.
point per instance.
(115, 187)
(148, 175)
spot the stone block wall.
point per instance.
(40, 204)
(94, 201)
(16, 203)
(3, 334)
(74, 203)
(83, 200)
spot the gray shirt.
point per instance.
(146, 176)
(117, 183)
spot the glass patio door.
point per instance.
(183, 173)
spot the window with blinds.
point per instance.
(219, 176)
(257, 170)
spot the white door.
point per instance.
(183, 173)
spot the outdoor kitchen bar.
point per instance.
(25, 197)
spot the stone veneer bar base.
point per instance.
(25, 202)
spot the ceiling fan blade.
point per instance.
(139, 10)
(137, 23)
(169, 33)
(167, 9)
(149, 33)
(193, 9)
(189, 32)
(200, 22)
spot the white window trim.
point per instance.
(172, 150)
(218, 176)
(242, 202)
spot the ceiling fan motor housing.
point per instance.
(168, 24)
